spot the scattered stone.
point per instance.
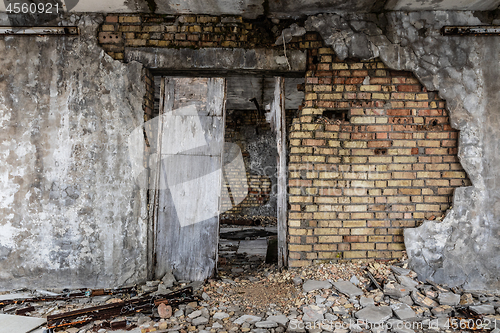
(312, 313)
(449, 298)
(280, 319)
(442, 311)
(220, 315)
(247, 319)
(195, 314)
(395, 290)
(266, 324)
(347, 288)
(407, 300)
(366, 301)
(297, 280)
(354, 280)
(331, 317)
(400, 271)
(179, 313)
(217, 325)
(340, 310)
(403, 311)
(168, 280)
(374, 314)
(199, 321)
(422, 300)
(311, 285)
(164, 311)
(482, 309)
(406, 281)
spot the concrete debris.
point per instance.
(483, 309)
(311, 285)
(347, 288)
(403, 311)
(375, 314)
(449, 298)
(271, 301)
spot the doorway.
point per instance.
(220, 172)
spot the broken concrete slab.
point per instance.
(374, 314)
(311, 285)
(396, 290)
(407, 281)
(347, 288)
(366, 301)
(442, 311)
(400, 271)
(403, 311)
(19, 324)
(448, 298)
(483, 309)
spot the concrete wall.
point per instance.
(464, 248)
(71, 214)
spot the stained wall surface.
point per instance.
(71, 213)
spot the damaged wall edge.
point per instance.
(464, 248)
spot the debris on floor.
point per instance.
(335, 297)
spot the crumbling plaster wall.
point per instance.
(464, 248)
(71, 214)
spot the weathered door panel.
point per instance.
(189, 182)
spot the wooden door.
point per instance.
(188, 193)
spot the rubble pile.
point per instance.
(335, 297)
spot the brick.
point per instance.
(454, 174)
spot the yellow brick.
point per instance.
(324, 215)
(370, 87)
(380, 159)
(405, 159)
(330, 239)
(355, 144)
(354, 254)
(454, 174)
(396, 246)
(379, 176)
(322, 87)
(326, 50)
(299, 248)
(362, 120)
(361, 215)
(311, 96)
(428, 174)
(294, 231)
(399, 183)
(341, 65)
(362, 246)
(326, 231)
(429, 143)
(294, 223)
(428, 208)
(437, 182)
(381, 96)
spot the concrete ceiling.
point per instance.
(276, 8)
